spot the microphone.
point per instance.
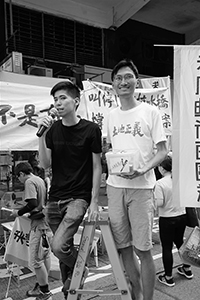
(53, 113)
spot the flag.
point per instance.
(186, 126)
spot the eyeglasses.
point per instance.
(126, 77)
(18, 175)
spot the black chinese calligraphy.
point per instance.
(98, 119)
(47, 109)
(128, 129)
(123, 164)
(158, 100)
(198, 83)
(155, 84)
(197, 171)
(197, 108)
(21, 237)
(197, 130)
(4, 109)
(103, 98)
(29, 110)
(166, 120)
(198, 190)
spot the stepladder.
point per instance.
(75, 290)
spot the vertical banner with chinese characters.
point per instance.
(186, 126)
(17, 248)
(100, 98)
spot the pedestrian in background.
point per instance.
(34, 162)
(172, 223)
(35, 195)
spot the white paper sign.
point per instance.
(100, 98)
(17, 249)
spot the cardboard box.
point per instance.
(120, 162)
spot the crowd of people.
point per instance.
(71, 147)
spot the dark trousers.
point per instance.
(171, 232)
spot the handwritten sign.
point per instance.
(100, 98)
(25, 100)
(162, 101)
(17, 249)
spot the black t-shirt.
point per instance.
(72, 148)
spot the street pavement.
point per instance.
(101, 277)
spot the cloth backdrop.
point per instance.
(100, 98)
(25, 100)
(186, 126)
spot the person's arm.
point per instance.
(93, 211)
(32, 203)
(158, 157)
(158, 196)
(44, 153)
(108, 147)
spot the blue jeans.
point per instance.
(64, 218)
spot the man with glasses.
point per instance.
(135, 126)
(35, 195)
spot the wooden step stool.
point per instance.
(83, 253)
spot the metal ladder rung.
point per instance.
(98, 292)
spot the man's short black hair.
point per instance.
(71, 88)
(24, 167)
(122, 64)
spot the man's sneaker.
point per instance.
(130, 286)
(67, 285)
(35, 291)
(164, 280)
(44, 296)
(185, 272)
(68, 282)
(85, 275)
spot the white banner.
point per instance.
(24, 100)
(100, 98)
(163, 100)
(186, 126)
